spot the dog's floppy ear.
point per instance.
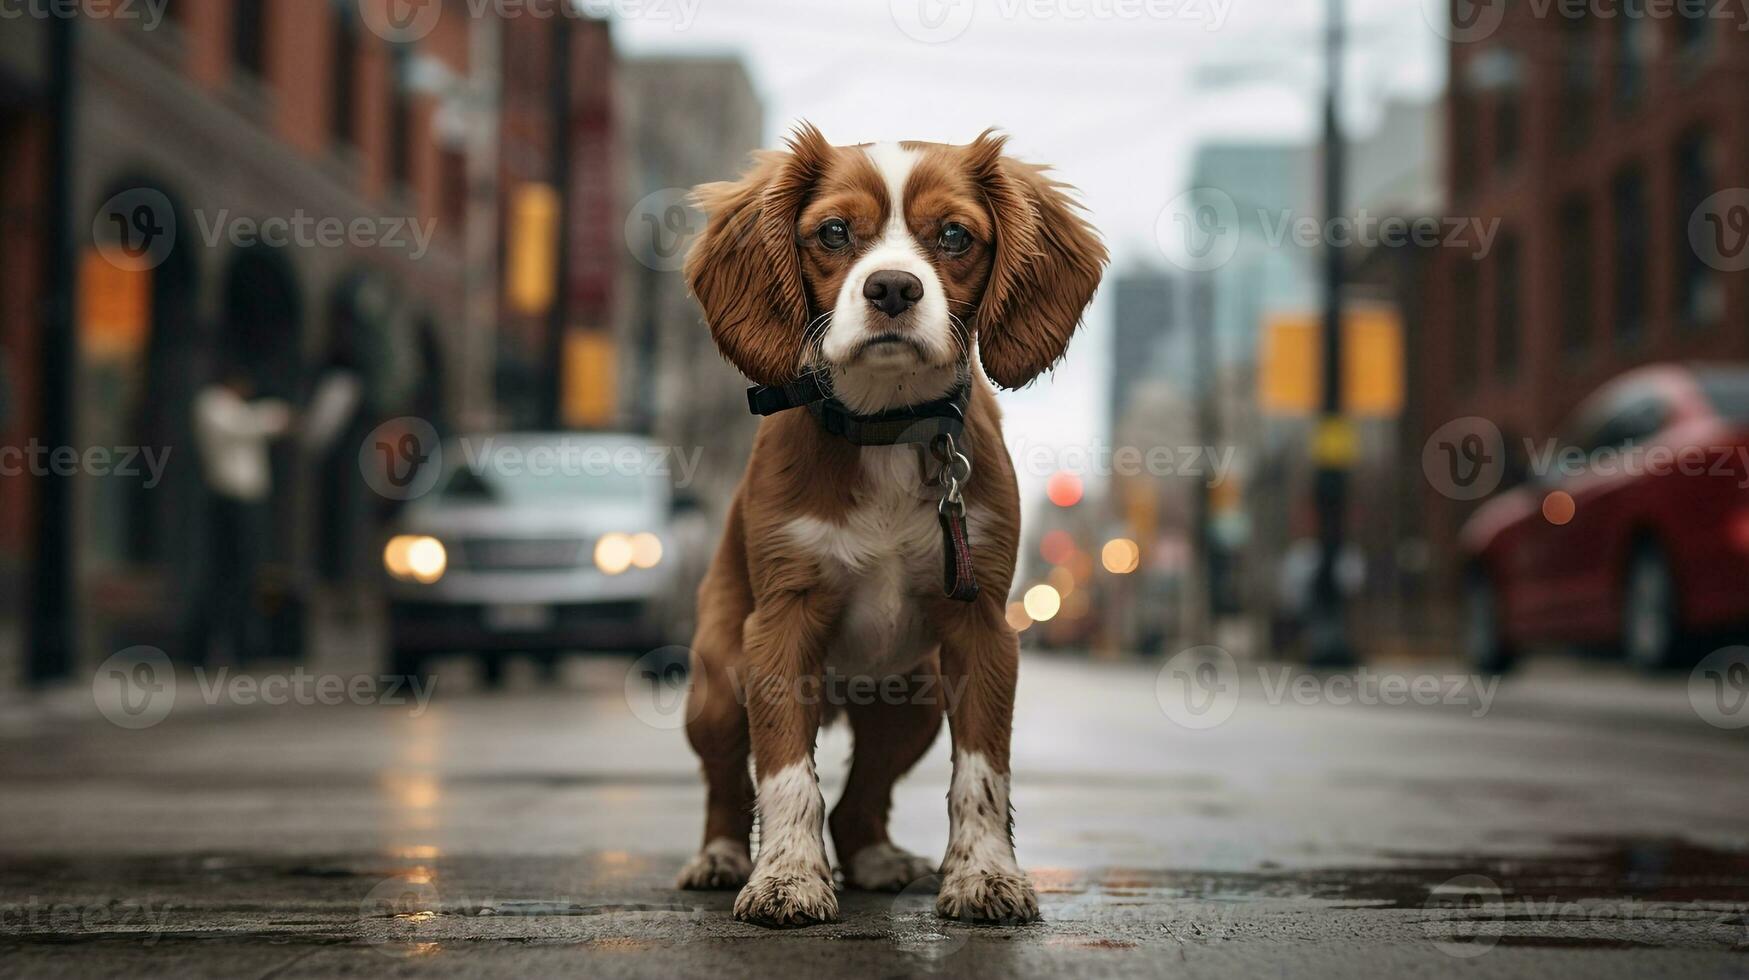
(746, 268)
(1047, 264)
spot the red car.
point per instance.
(1631, 531)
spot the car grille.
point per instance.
(519, 554)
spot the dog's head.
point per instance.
(881, 264)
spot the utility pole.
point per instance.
(1333, 442)
(51, 638)
(558, 322)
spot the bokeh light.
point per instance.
(1041, 602)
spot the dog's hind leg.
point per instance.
(890, 735)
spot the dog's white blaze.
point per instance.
(977, 813)
(871, 387)
(792, 816)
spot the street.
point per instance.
(1580, 821)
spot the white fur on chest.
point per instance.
(886, 557)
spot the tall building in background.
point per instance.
(212, 156)
(1599, 144)
(688, 121)
(1143, 320)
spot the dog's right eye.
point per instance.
(834, 233)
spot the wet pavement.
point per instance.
(1582, 823)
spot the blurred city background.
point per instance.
(1424, 349)
(473, 217)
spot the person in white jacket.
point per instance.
(234, 432)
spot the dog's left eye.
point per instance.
(955, 239)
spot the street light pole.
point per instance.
(1333, 443)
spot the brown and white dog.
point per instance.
(876, 267)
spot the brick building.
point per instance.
(1595, 142)
(315, 177)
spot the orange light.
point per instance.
(1056, 546)
(1018, 620)
(1120, 556)
(1064, 489)
(1559, 508)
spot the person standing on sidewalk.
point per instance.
(233, 431)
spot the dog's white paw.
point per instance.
(786, 899)
(886, 867)
(971, 895)
(723, 864)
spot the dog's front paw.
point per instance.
(886, 867)
(721, 865)
(784, 900)
(1001, 897)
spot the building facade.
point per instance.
(266, 183)
(1603, 146)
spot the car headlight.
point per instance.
(616, 553)
(416, 558)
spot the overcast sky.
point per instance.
(1114, 97)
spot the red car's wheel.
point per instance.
(1485, 645)
(1651, 630)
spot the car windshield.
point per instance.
(1728, 391)
(537, 473)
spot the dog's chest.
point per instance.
(885, 557)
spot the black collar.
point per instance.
(914, 424)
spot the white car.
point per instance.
(541, 544)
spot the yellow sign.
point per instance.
(1335, 443)
(590, 392)
(531, 273)
(1291, 369)
(115, 307)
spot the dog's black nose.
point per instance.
(891, 291)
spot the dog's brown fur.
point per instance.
(768, 607)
